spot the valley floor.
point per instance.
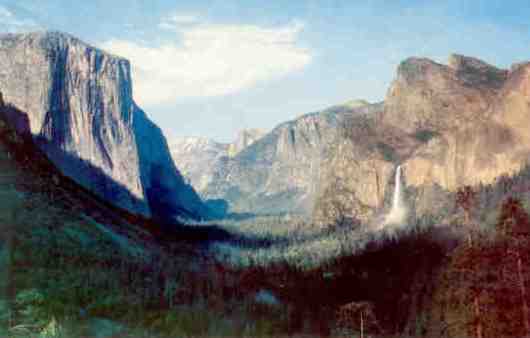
(73, 266)
(71, 276)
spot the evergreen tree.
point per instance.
(514, 232)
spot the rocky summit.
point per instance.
(79, 102)
(464, 123)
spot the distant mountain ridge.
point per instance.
(278, 172)
(245, 138)
(198, 157)
(464, 123)
(448, 126)
(80, 106)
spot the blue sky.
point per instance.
(211, 68)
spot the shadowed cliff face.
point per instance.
(447, 125)
(80, 105)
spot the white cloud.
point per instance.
(176, 20)
(10, 22)
(212, 60)
(5, 13)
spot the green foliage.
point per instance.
(388, 153)
(425, 135)
(72, 275)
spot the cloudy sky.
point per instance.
(211, 68)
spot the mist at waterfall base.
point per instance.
(398, 212)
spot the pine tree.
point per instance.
(514, 231)
(466, 199)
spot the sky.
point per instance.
(212, 68)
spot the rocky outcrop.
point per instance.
(458, 109)
(279, 172)
(447, 125)
(81, 111)
(244, 139)
(354, 175)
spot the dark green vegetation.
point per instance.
(461, 271)
(387, 151)
(425, 135)
(73, 266)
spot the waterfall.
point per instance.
(396, 201)
(398, 211)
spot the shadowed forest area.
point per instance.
(74, 266)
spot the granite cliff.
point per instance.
(447, 126)
(277, 173)
(79, 102)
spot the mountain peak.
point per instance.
(471, 71)
(49, 39)
(79, 103)
(245, 138)
(476, 72)
(192, 143)
(414, 68)
(458, 62)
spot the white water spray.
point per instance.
(398, 212)
(396, 202)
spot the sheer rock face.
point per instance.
(279, 172)
(458, 106)
(81, 111)
(447, 125)
(355, 171)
